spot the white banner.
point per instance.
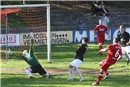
(57, 37)
(39, 38)
(13, 39)
(60, 37)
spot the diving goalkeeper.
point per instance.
(31, 59)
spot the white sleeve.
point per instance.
(107, 20)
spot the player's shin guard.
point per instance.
(79, 73)
(28, 71)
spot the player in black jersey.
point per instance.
(31, 59)
(125, 43)
(78, 59)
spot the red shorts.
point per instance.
(104, 65)
(100, 40)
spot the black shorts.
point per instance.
(38, 69)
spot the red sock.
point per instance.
(99, 77)
(99, 48)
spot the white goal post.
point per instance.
(48, 24)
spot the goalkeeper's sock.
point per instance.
(28, 72)
(79, 73)
(70, 73)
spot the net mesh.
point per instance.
(32, 19)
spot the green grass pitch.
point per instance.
(13, 74)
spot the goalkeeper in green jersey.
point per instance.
(31, 59)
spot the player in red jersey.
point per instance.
(114, 55)
(101, 29)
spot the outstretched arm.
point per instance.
(104, 50)
(11, 53)
(32, 41)
(120, 56)
(18, 56)
(32, 44)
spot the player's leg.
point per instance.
(28, 71)
(72, 64)
(42, 71)
(70, 72)
(105, 71)
(47, 75)
(100, 46)
(100, 43)
(125, 54)
(128, 54)
(79, 73)
(99, 78)
(76, 65)
(106, 74)
(101, 72)
(127, 58)
(104, 67)
(102, 62)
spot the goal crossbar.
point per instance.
(30, 5)
(48, 22)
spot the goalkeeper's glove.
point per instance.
(9, 52)
(32, 35)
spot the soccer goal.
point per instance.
(17, 21)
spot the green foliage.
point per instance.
(20, 2)
(11, 2)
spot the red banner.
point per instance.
(9, 10)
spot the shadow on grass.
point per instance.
(22, 80)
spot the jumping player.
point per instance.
(114, 55)
(125, 43)
(31, 59)
(78, 59)
(101, 29)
